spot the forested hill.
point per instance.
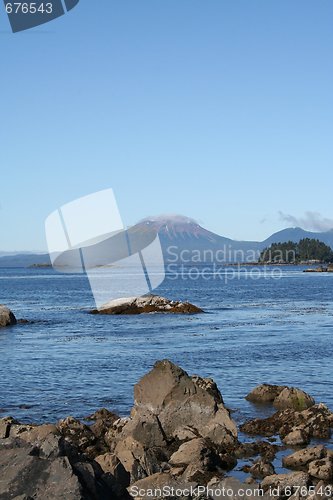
(304, 251)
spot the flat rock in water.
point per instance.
(7, 318)
(147, 304)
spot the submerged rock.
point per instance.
(147, 304)
(7, 318)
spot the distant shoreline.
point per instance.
(226, 264)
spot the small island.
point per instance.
(146, 304)
(306, 251)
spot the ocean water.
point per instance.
(255, 329)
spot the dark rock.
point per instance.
(111, 464)
(138, 460)
(5, 425)
(147, 304)
(25, 474)
(79, 436)
(264, 448)
(7, 318)
(294, 427)
(37, 462)
(145, 428)
(103, 414)
(261, 469)
(103, 420)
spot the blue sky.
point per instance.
(220, 110)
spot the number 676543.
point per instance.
(29, 8)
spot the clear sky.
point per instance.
(220, 110)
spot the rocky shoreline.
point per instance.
(179, 440)
(320, 269)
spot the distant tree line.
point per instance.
(290, 252)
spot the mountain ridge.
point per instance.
(184, 234)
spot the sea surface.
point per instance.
(257, 328)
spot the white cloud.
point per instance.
(311, 221)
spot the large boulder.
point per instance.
(146, 304)
(7, 318)
(176, 417)
(178, 400)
